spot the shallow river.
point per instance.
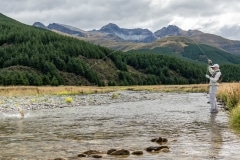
(184, 119)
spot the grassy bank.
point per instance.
(73, 90)
(230, 95)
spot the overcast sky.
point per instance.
(220, 17)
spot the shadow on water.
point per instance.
(184, 119)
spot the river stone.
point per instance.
(159, 140)
(155, 148)
(91, 152)
(82, 155)
(110, 151)
(137, 152)
(96, 156)
(121, 152)
(164, 140)
(165, 150)
(154, 139)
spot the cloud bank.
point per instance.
(210, 16)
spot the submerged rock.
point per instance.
(121, 152)
(59, 159)
(96, 156)
(165, 150)
(111, 150)
(91, 152)
(155, 148)
(164, 140)
(154, 139)
(137, 152)
(82, 155)
(160, 140)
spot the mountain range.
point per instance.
(115, 37)
(66, 55)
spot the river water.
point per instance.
(182, 118)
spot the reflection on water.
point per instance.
(184, 119)
(215, 137)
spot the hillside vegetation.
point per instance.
(188, 48)
(34, 56)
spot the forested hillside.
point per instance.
(34, 56)
(188, 48)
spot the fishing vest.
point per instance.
(220, 78)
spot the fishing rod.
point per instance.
(117, 50)
(205, 56)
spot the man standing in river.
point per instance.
(215, 75)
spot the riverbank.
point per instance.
(75, 90)
(37, 102)
(22, 98)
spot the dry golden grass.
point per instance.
(228, 86)
(68, 90)
(235, 118)
(229, 93)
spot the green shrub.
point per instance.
(115, 96)
(68, 99)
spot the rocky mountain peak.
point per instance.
(110, 27)
(67, 29)
(40, 25)
(170, 30)
(135, 35)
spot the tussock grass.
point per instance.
(230, 95)
(235, 118)
(50, 90)
(76, 90)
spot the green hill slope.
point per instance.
(185, 47)
(34, 56)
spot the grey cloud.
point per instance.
(151, 14)
(230, 31)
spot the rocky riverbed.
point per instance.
(12, 103)
(128, 123)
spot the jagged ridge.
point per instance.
(112, 33)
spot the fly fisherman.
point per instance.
(214, 77)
